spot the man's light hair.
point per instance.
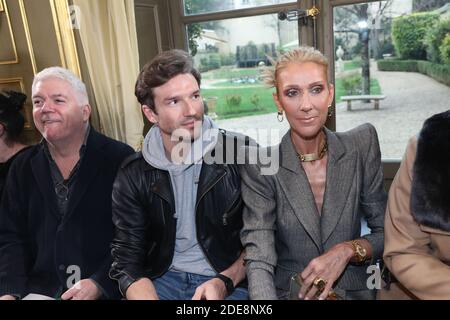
(60, 73)
(297, 55)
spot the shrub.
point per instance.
(233, 102)
(439, 72)
(397, 65)
(227, 59)
(254, 100)
(408, 33)
(355, 51)
(214, 61)
(352, 84)
(434, 38)
(445, 50)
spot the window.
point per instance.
(230, 54)
(373, 56)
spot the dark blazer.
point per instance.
(42, 253)
(283, 231)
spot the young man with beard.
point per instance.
(177, 214)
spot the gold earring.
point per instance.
(280, 116)
(330, 111)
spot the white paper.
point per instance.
(35, 296)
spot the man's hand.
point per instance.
(143, 289)
(83, 290)
(213, 289)
(7, 297)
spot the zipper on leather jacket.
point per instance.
(196, 219)
(226, 215)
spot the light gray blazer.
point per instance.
(282, 229)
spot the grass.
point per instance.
(351, 65)
(246, 108)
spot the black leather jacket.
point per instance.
(143, 214)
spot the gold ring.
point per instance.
(320, 284)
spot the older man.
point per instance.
(55, 217)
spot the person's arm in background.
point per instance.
(13, 239)
(407, 252)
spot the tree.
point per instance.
(427, 5)
(353, 15)
(360, 12)
(275, 23)
(377, 16)
(195, 30)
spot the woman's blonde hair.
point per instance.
(297, 55)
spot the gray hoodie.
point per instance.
(188, 256)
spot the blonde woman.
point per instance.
(305, 219)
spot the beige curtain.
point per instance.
(108, 36)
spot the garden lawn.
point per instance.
(246, 108)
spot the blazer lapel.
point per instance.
(90, 165)
(341, 168)
(42, 175)
(295, 185)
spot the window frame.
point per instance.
(181, 20)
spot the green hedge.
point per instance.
(445, 50)
(434, 39)
(439, 72)
(398, 65)
(408, 34)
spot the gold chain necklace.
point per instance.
(314, 156)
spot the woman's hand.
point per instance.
(327, 267)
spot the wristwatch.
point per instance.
(359, 251)
(228, 283)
